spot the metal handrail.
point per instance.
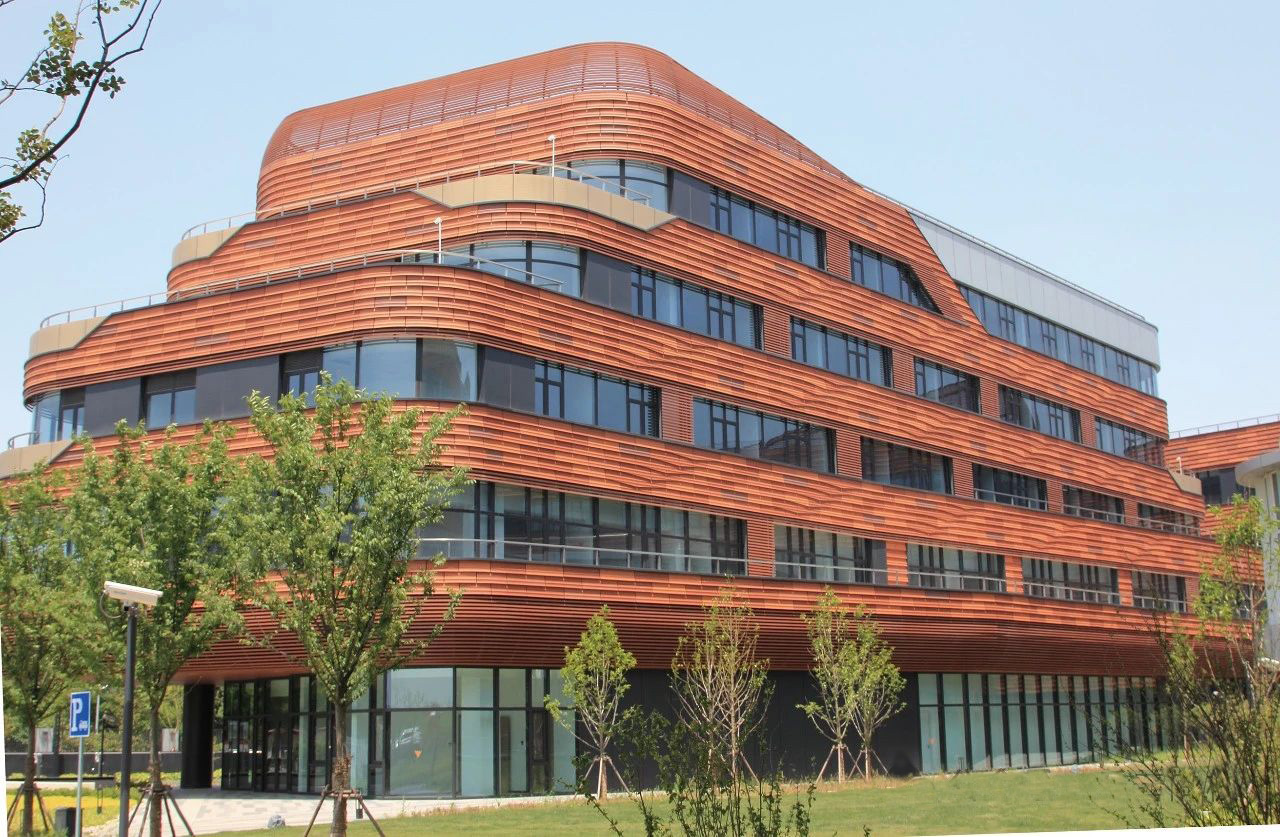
(284, 273)
(1166, 526)
(1172, 605)
(985, 583)
(497, 549)
(1225, 425)
(831, 572)
(397, 186)
(1092, 514)
(992, 496)
(1052, 589)
(30, 436)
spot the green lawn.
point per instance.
(977, 802)
(66, 798)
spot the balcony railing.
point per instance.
(827, 572)
(1169, 526)
(29, 437)
(409, 185)
(1092, 513)
(1065, 592)
(448, 258)
(956, 581)
(1226, 425)
(1020, 500)
(1165, 603)
(580, 555)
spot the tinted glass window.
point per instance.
(946, 385)
(765, 228)
(390, 366)
(891, 464)
(1012, 489)
(724, 427)
(1128, 442)
(449, 370)
(827, 556)
(1026, 329)
(841, 353)
(1081, 502)
(1039, 414)
(889, 276)
(170, 399)
(946, 568)
(1048, 579)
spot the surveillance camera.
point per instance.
(132, 595)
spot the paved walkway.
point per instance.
(211, 811)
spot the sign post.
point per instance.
(79, 728)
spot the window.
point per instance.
(1129, 443)
(170, 399)
(945, 568)
(852, 357)
(684, 305)
(58, 415)
(300, 372)
(1039, 414)
(946, 385)
(629, 178)
(1012, 489)
(1159, 591)
(723, 427)
(528, 524)
(1080, 502)
(1028, 330)
(1046, 579)
(448, 371)
(888, 276)
(1219, 486)
(891, 464)
(1167, 520)
(538, 263)
(591, 398)
(827, 556)
(766, 228)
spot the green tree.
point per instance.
(859, 686)
(720, 685)
(46, 611)
(1221, 692)
(595, 679)
(79, 56)
(149, 513)
(332, 515)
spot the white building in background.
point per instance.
(1262, 474)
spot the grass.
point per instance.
(1034, 800)
(66, 798)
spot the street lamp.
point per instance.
(133, 598)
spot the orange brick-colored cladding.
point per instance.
(525, 614)
(1223, 448)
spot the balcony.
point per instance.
(23, 452)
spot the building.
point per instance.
(692, 349)
(1239, 457)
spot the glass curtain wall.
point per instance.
(420, 732)
(996, 721)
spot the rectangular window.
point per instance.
(679, 303)
(724, 427)
(1046, 579)
(946, 568)
(889, 276)
(1167, 520)
(300, 372)
(827, 556)
(946, 385)
(841, 353)
(1010, 488)
(70, 414)
(169, 399)
(1080, 502)
(891, 464)
(1159, 591)
(1039, 414)
(766, 228)
(591, 398)
(1030, 331)
(1219, 486)
(1125, 441)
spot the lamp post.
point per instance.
(133, 598)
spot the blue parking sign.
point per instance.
(81, 702)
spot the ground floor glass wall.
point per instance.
(417, 732)
(991, 721)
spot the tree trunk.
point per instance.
(602, 783)
(156, 781)
(866, 753)
(840, 761)
(341, 772)
(28, 786)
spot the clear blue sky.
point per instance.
(1130, 147)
